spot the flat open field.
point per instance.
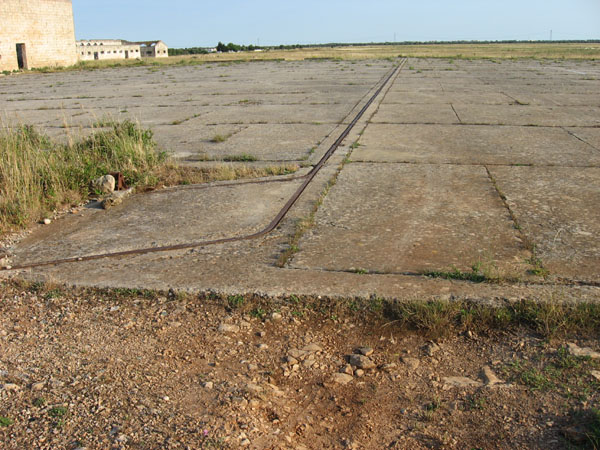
(546, 51)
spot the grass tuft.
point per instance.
(38, 176)
(242, 157)
(6, 421)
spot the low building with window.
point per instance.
(101, 49)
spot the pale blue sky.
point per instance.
(186, 23)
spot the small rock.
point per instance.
(116, 198)
(245, 442)
(431, 348)
(359, 372)
(460, 382)
(297, 354)
(47, 221)
(276, 316)
(361, 361)
(252, 367)
(575, 350)
(388, 367)
(412, 363)
(312, 348)
(228, 328)
(308, 363)
(347, 369)
(366, 351)
(105, 184)
(262, 334)
(262, 346)
(278, 392)
(291, 360)
(346, 443)
(208, 385)
(489, 377)
(10, 387)
(252, 388)
(342, 378)
(38, 386)
(122, 439)
(596, 374)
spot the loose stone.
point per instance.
(431, 348)
(489, 377)
(347, 369)
(366, 351)
(38, 386)
(361, 361)
(312, 348)
(575, 350)
(105, 184)
(412, 363)
(342, 378)
(460, 382)
(228, 328)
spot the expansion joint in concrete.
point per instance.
(527, 243)
(455, 113)
(580, 139)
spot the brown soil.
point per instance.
(91, 369)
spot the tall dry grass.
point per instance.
(38, 175)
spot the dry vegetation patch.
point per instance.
(143, 369)
(39, 176)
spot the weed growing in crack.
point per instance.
(243, 157)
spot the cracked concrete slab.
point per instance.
(398, 218)
(416, 113)
(439, 211)
(559, 211)
(196, 100)
(160, 218)
(527, 115)
(464, 144)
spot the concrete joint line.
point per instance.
(580, 139)
(527, 244)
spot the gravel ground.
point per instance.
(140, 370)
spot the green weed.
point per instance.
(6, 421)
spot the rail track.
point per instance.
(270, 227)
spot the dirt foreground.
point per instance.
(131, 369)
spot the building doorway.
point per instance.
(21, 57)
(96, 55)
(126, 54)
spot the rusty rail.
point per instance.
(268, 229)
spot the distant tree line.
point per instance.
(188, 51)
(231, 47)
(359, 44)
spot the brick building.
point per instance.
(36, 33)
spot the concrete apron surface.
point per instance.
(458, 165)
